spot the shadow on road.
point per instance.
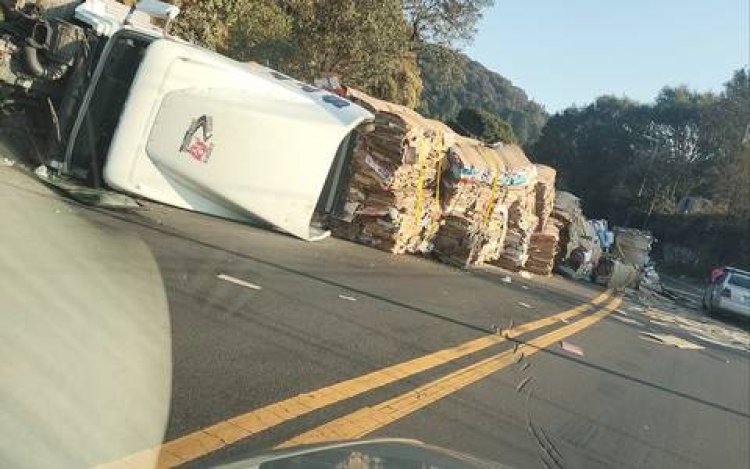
(437, 316)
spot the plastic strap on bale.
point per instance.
(440, 148)
(493, 194)
(423, 149)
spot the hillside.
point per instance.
(452, 81)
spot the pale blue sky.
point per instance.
(563, 52)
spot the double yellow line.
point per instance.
(368, 419)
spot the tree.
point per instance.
(443, 21)
(241, 29)
(592, 149)
(404, 86)
(483, 126)
(365, 43)
(453, 81)
(726, 126)
(623, 157)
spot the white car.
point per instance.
(730, 293)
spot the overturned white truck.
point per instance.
(138, 111)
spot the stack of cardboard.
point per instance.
(391, 201)
(518, 180)
(469, 192)
(566, 206)
(545, 194)
(543, 249)
(521, 225)
(544, 240)
(495, 231)
(579, 244)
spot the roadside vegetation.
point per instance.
(679, 166)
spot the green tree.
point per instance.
(592, 149)
(483, 126)
(404, 86)
(241, 29)
(443, 21)
(366, 42)
(726, 133)
(453, 81)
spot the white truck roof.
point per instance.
(206, 133)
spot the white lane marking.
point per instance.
(239, 282)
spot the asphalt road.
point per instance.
(257, 317)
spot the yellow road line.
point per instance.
(219, 435)
(368, 419)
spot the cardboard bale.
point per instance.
(544, 195)
(542, 250)
(518, 204)
(469, 193)
(391, 202)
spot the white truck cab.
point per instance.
(172, 122)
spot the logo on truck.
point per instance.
(197, 141)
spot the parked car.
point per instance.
(729, 293)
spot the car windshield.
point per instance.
(357, 233)
(739, 280)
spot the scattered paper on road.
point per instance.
(627, 320)
(347, 298)
(523, 383)
(525, 287)
(571, 348)
(659, 323)
(506, 279)
(525, 305)
(672, 340)
(698, 326)
(239, 282)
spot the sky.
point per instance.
(565, 52)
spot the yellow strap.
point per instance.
(440, 148)
(493, 193)
(495, 185)
(423, 149)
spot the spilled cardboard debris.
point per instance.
(672, 340)
(571, 348)
(627, 320)
(699, 327)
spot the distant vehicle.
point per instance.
(730, 293)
